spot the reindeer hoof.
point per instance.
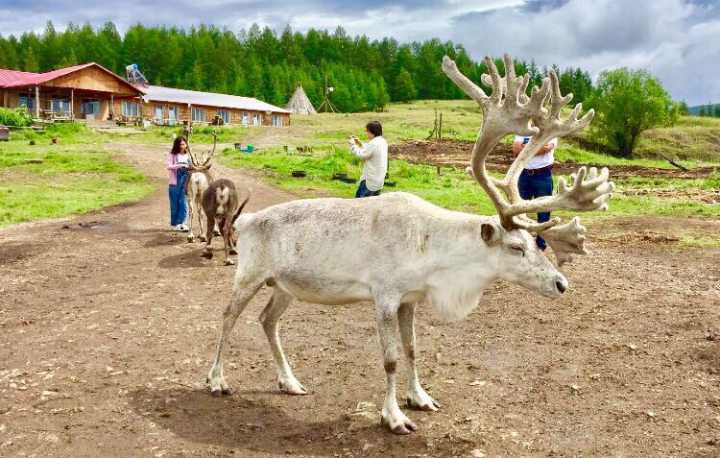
(229, 262)
(293, 388)
(233, 251)
(207, 254)
(190, 239)
(404, 428)
(202, 238)
(216, 232)
(431, 406)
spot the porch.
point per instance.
(61, 104)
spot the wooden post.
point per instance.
(440, 128)
(112, 105)
(72, 104)
(37, 102)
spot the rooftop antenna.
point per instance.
(327, 106)
(134, 76)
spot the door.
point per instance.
(90, 108)
(172, 115)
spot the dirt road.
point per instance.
(107, 328)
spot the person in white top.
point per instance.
(374, 154)
(536, 179)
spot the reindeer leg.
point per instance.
(269, 317)
(232, 236)
(387, 320)
(191, 216)
(202, 220)
(225, 226)
(239, 300)
(417, 398)
(207, 252)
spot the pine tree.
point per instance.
(404, 87)
(31, 62)
(257, 62)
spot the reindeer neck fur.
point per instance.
(463, 268)
(455, 264)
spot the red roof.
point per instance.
(14, 78)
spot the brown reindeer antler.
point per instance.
(508, 109)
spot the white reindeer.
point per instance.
(198, 181)
(398, 250)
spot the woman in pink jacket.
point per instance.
(178, 163)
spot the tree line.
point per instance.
(709, 110)
(365, 74)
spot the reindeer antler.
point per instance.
(509, 110)
(212, 153)
(204, 164)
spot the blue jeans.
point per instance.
(178, 201)
(363, 191)
(537, 185)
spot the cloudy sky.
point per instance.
(677, 40)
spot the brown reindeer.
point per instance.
(222, 204)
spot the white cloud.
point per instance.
(662, 36)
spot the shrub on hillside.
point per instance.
(18, 117)
(627, 103)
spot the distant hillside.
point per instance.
(696, 110)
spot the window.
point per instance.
(158, 113)
(277, 121)
(245, 119)
(198, 114)
(172, 115)
(225, 116)
(60, 105)
(257, 119)
(27, 101)
(130, 109)
(90, 106)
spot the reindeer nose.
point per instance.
(561, 285)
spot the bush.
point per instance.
(18, 117)
(629, 102)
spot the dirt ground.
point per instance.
(454, 153)
(108, 322)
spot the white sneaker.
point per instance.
(183, 228)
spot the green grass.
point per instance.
(44, 181)
(451, 189)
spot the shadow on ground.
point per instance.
(242, 422)
(189, 259)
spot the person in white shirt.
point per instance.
(374, 154)
(536, 179)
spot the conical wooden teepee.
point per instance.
(300, 104)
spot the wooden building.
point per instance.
(164, 105)
(87, 92)
(92, 92)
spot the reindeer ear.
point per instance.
(490, 233)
